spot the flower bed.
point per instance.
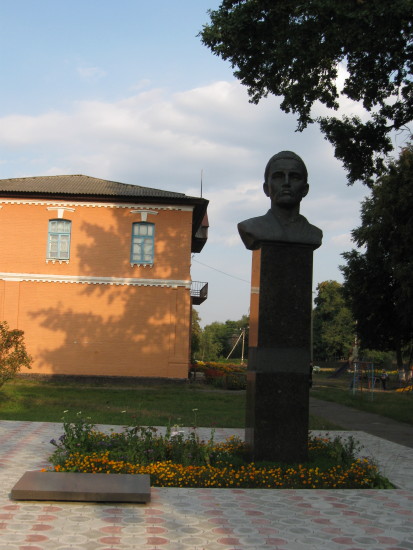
(179, 460)
(224, 375)
(360, 474)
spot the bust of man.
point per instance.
(286, 185)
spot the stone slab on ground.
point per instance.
(36, 485)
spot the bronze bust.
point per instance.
(286, 185)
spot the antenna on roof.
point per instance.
(202, 171)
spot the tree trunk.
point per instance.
(399, 357)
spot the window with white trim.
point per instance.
(142, 246)
(58, 242)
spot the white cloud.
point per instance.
(158, 140)
(90, 73)
(24, 130)
(140, 85)
(342, 241)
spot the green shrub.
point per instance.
(13, 354)
(223, 375)
(236, 381)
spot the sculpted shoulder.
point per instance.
(253, 230)
(268, 228)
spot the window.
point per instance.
(142, 250)
(58, 244)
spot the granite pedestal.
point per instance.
(279, 365)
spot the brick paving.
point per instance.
(207, 519)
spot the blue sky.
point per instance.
(54, 51)
(126, 91)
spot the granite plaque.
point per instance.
(36, 485)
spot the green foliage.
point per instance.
(236, 381)
(223, 375)
(383, 359)
(218, 339)
(333, 324)
(212, 339)
(341, 451)
(135, 444)
(293, 50)
(196, 334)
(79, 436)
(377, 280)
(13, 354)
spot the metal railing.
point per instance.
(199, 292)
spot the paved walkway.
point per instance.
(355, 420)
(207, 519)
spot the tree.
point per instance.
(196, 333)
(293, 50)
(13, 354)
(333, 323)
(378, 280)
(211, 344)
(218, 339)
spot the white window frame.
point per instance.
(58, 240)
(142, 250)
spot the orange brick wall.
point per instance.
(254, 299)
(100, 241)
(98, 329)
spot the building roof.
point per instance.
(80, 187)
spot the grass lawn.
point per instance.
(121, 404)
(392, 404)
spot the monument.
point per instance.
(282, 241)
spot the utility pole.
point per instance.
(242, 335)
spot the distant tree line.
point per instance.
(217, 340)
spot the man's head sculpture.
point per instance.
(286, 184)
(285, 180)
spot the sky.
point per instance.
(126, 91)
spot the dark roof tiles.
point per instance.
(83, 185)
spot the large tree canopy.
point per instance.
(293, 49)
(333, 324)
(378, 278)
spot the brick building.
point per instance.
(97, 274)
